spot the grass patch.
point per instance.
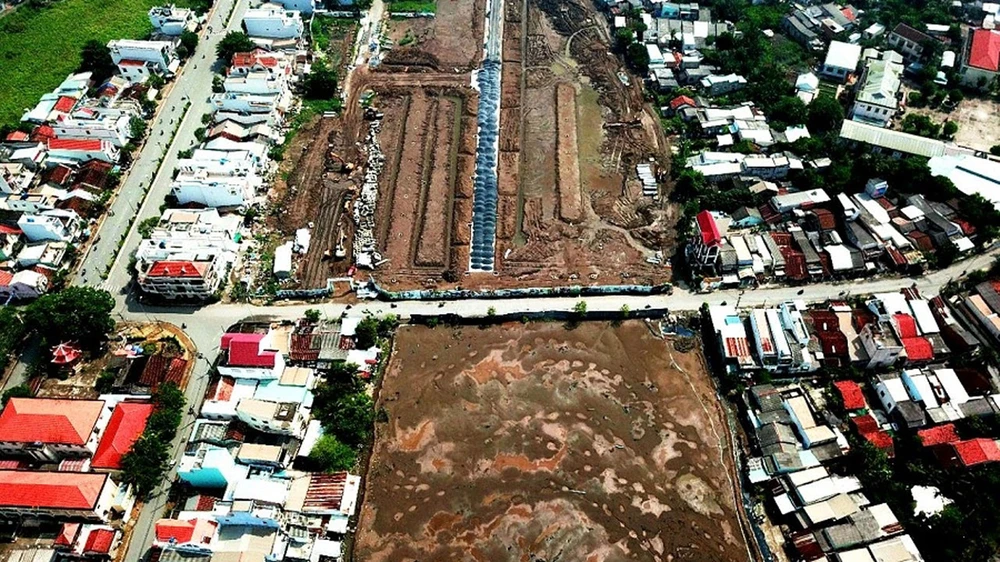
(40, 46)
(327, 29)
(406, 6)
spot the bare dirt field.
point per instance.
(534, 442)
(978, 122)
(449, 42)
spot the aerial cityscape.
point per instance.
(499, 280)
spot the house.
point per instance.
(23, 285)
(841, 60)
(850, 395)
(48, 255)
(254, 356)
(877, 98)
(81, 496)
(138, 60)
(281, 418)
(57, 225)
(215, 191)
(331, 496)
(716, 85)
(970, 452)
(746, 217)
(188, 535)
(49, 430)
(703, 251)
(184, 278)
(171, 20)
(78, 151)
(981, 58)
(908, 41)
(240, 102)
(305, 6)
(734, 346)
(800, 199)
(807, 87)
(273, 22)
(206, 466)
(128, 420)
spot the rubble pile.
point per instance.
(365, 245)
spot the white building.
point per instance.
(246, 103)
(841, 60)
(877, 99)
(718, 85)
(112, 125)
(137, 60)
(22, 285)
(195, 278)
(273, 22)
(305, 6)
(57, 225)
(214, 191)
(171, 20)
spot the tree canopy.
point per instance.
(330, 455)
(95, 57)
(234, 42)
(825, 114)
(321, 83)
(80, 314)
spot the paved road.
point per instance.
(194, 85)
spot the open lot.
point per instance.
(576, 217)
(978, 122)
(39, 47)
(534, 442)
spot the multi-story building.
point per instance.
(171, 20)
(841, 60)
(877, 99)
(273, 22)
(981, 60)
(137, 60)
(246, 103)
(252, 356)
(57, 225)
(78, 151)
(214, 191)
(112, 125)
(908, 41)
(196, 278)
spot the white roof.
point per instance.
(896, 549)
(928, 500)
(947, 59)
(924, 388)
(911, 212)
(952, 386)
(620, 21)
(283, 258)
(784, 504)
(840, 257)
(742, 252)
(925, 319)
(963, 244)
(655, 56)
(883, 515)
(856, 555)
(970, 175)
(267, 491)
(827, 488)
(313, 432)
(895, 388)
(807, 82)
(808, 475)
(843, 55)
(893, 140)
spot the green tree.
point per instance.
(19, 391)
(189, 40)
(580, 308)
(312, 315)
(330, 455)
(366, 334)
(144, 464)
(351, 420)
(321, 83)
(137, 128)
(825, 114)
(168, 396)
(105, 382)
(387, 325)
(790, 110)
(95, 57)
(949, 129)
(234, 42)
(637, 58)
(81, 314)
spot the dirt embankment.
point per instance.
(533, 442)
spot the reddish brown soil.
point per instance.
(533, 442)
(448, 42)
(568, 171)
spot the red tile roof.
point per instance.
(851, 394)
(5, 229)
(985, 50)
(59, 174)
(709, 230)
(50, 490)
(825, 219)
(251, 58)
(131, 62)
(193, 530)
(42, 133)
(865, 424)
(13, 464)
(73, 465)
(67, 535)
(5, 278)
(921, 240)
(918, 349)
(883, 441)
(99, 541)
(834, 344)
(85, 145)
(64, 104)
(244, 351)
(937, 435)
(976, 451)
(17, 136)
(183, 269)
(126, 425)
(906, 324)
(223, 390)
(681, 100)
(47, 420)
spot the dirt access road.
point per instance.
(531, 442)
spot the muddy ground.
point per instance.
(534, 442)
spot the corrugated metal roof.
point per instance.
(891, 140)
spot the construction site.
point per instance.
(510, 165)
(534, 442)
